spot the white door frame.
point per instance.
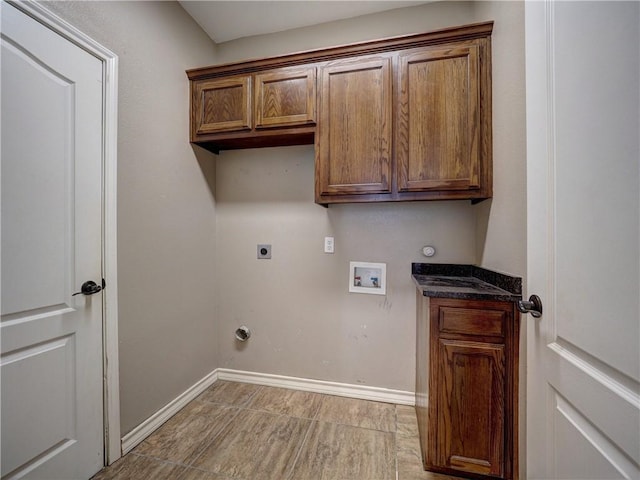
(111, 384)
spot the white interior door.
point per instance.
(51, 341)
(583, 168)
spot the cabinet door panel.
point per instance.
(471, 401)
(285, 98)
(223, 105)
(354, 140)
(439, 118)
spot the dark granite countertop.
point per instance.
(465, 282)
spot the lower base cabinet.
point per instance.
(467, 386)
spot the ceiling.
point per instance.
(229, 20)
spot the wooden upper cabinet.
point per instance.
(268, 108)
(440, 143)
(221, 105)
(397, 119)
(353, 145)
(439, 123)
(285, 98)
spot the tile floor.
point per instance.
(237, 431)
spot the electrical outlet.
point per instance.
(264, 252)
(329, 245)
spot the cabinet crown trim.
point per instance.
(450, 34)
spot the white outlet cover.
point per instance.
(329, 245)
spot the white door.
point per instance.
(51, 341)
(583, 208)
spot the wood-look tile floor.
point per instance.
(237, 431)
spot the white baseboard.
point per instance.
(363, 392)
(146, 428)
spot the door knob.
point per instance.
(89, 288)
(532, 306)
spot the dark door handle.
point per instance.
(89, 288)
(532, 306)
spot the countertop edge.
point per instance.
(496, 282)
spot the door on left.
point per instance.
(51, 240)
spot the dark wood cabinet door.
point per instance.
(285, 97)
(470, 425)
(439, 118)
(471, 400)
(353, 146)
(222, 105)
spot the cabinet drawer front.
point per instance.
(354, 131)
(472, 321)
(285, 98)
(222, 105)
(438, 140)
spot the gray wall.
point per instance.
(189, 222)
(166, 209)
(304, 321)
(502, 223)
